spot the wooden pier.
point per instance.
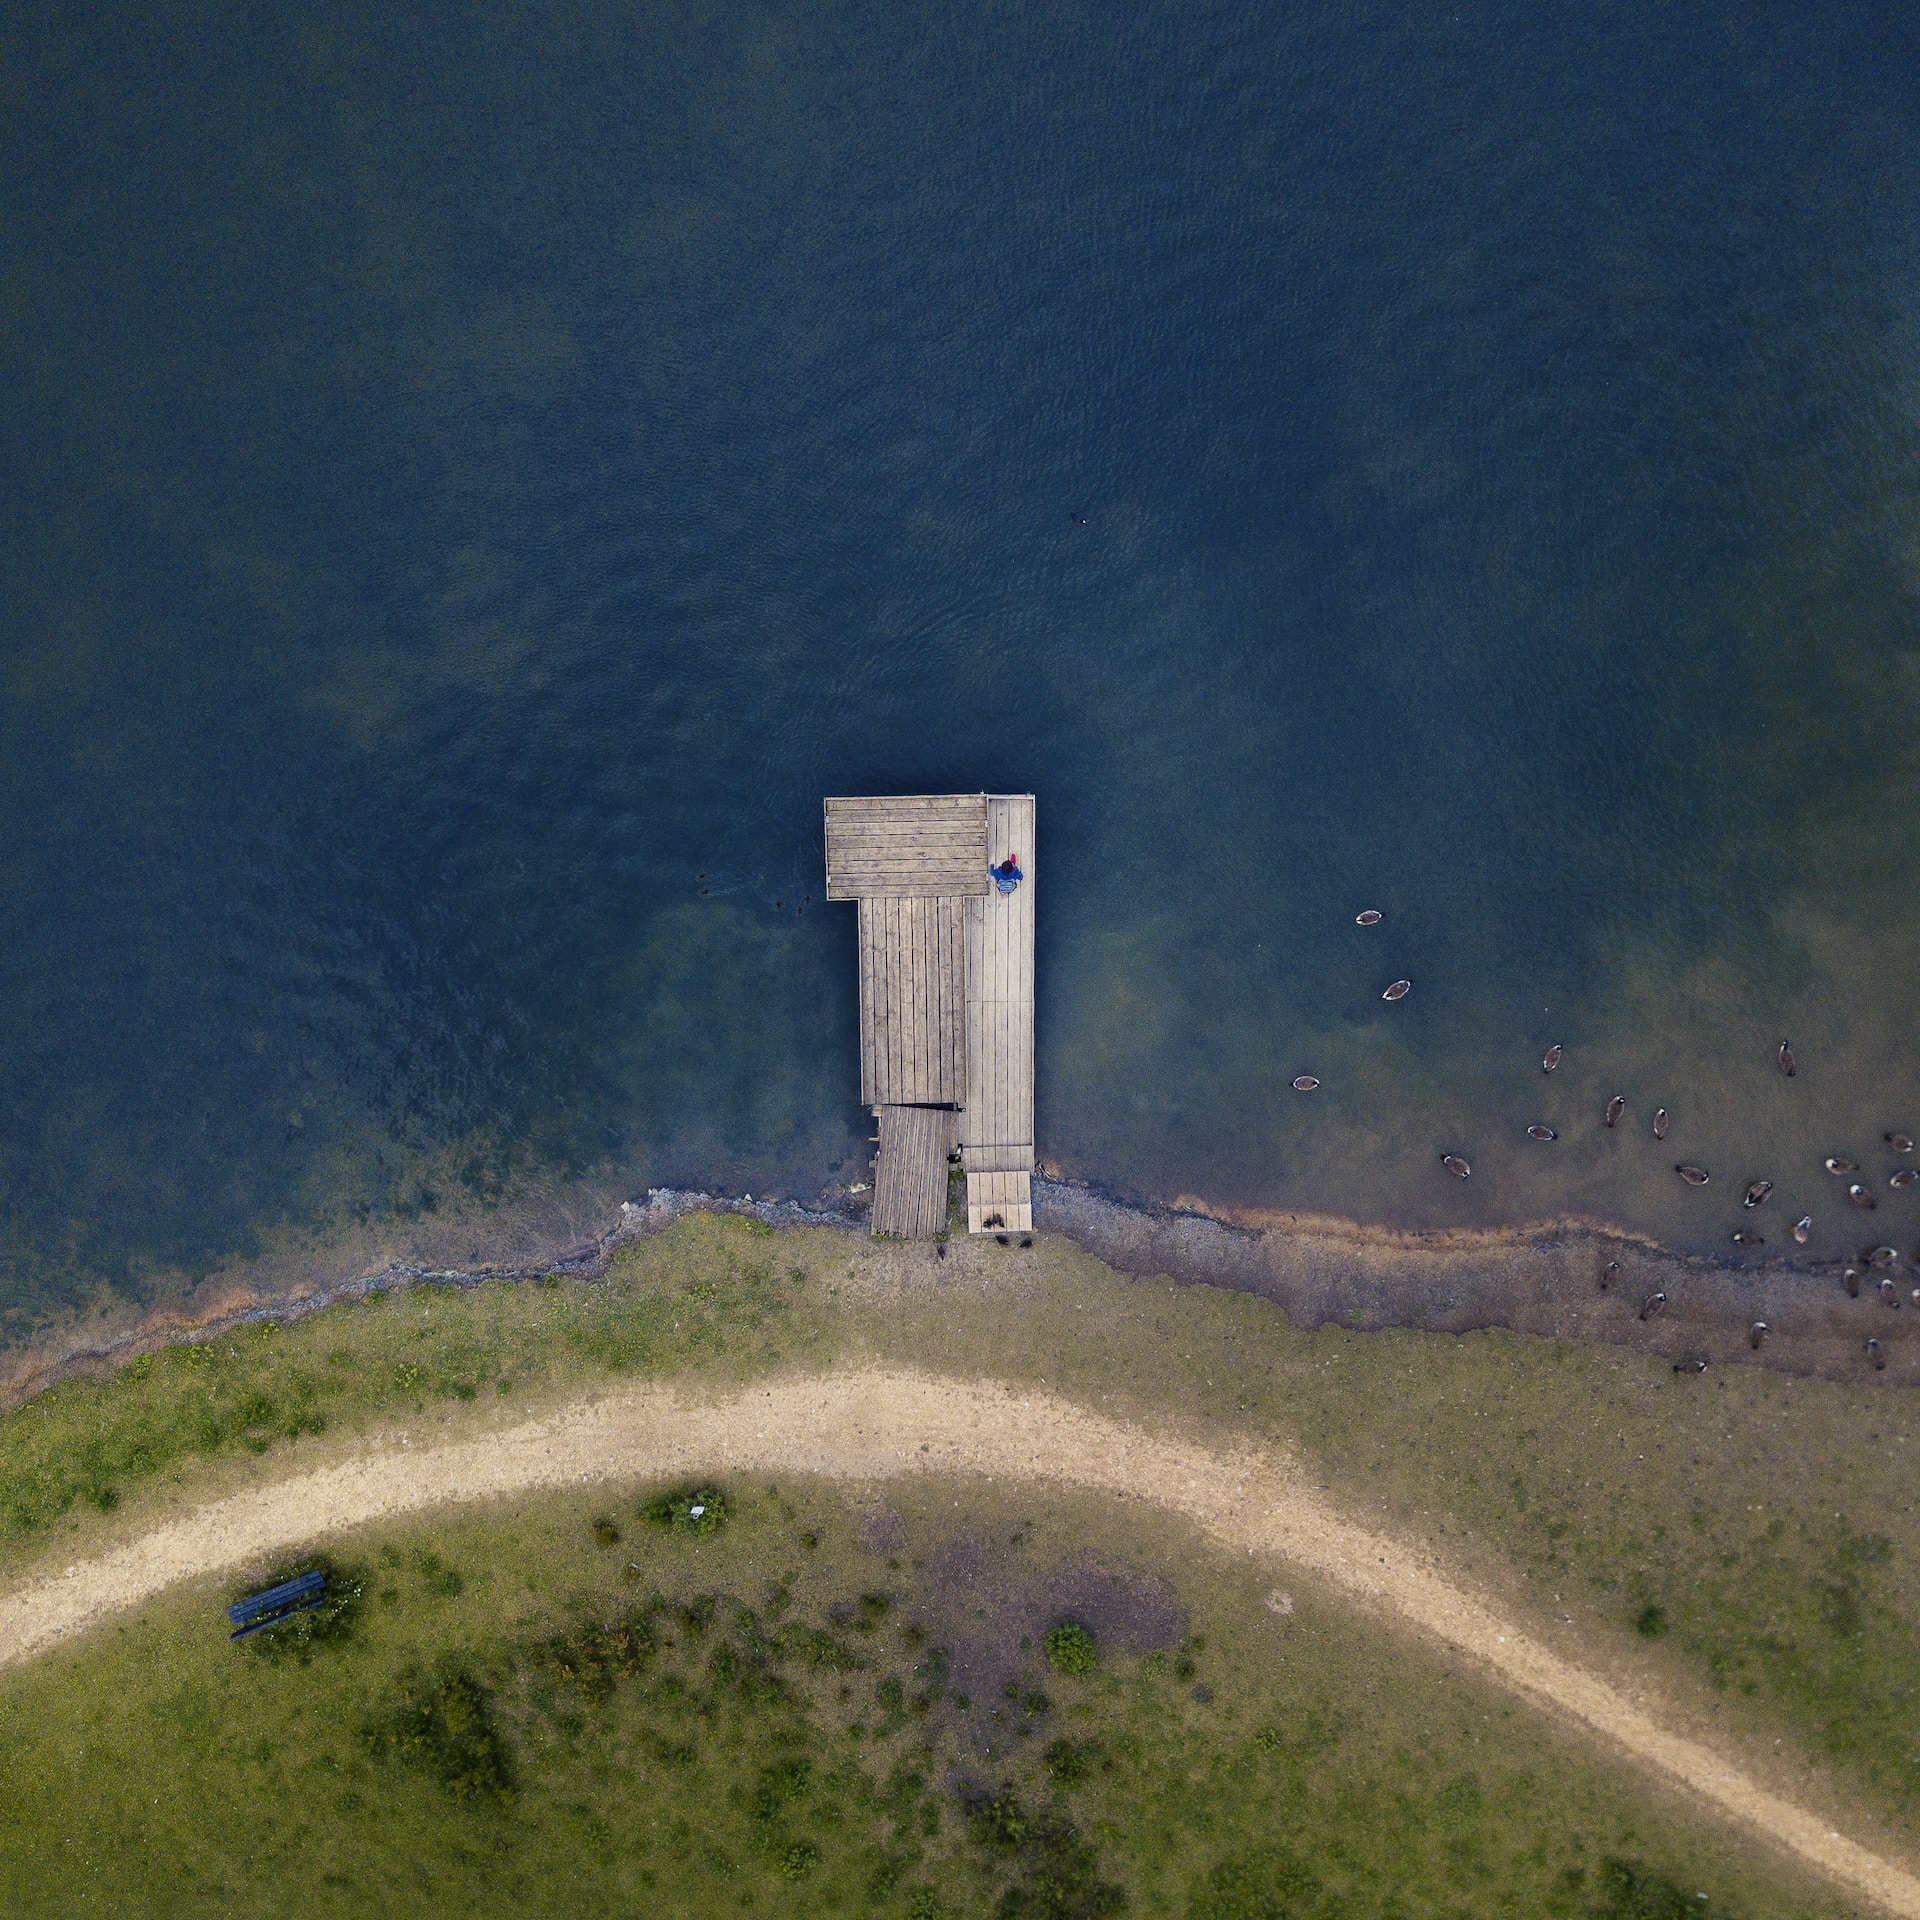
(946, 999)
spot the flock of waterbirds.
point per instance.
(1874, 1259)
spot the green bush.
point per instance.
(695, 1510)
(443, 1726)
(1070, 1649)
(331, 1624)
(1635, 1892)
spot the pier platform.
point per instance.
(946, 999)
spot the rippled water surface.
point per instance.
(474, 478)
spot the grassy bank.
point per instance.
(820, 1707)
(1742, 1541)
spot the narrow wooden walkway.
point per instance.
(946, 998)
(996, 1123)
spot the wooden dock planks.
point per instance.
(906, 846)
(910, 1177)
(946, 998)
(996, 1122)
(913, 1040)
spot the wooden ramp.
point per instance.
(946, 999)
(910, 1175)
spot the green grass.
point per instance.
(710, 1296)
(741, 1722)
(1745, 1539)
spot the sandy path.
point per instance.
(876, 1424)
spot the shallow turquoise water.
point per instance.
(473, 481)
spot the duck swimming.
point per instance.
(1693, 1176)
(1551, 1059)
(1835, 1164)
(1398, 991)
(1757, 1193)
(1660, 1124)
(1304, 1083)
(1371, 918)
(1615, 1108)
(1788, 1065)
(1537, 1132)
(1456, 1166)
(1801, 1228)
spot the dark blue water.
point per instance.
(474, 477)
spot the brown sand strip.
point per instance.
(875, 1424)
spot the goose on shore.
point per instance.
(1837, 1163)
(1371, 918)
(1889, 1292)
(1456, 1166)
(1850, 1279)
(1609, 1274)
(1693, 1176)
(1788, 1065)
(1398, 991)
(1615, 1108)
(1304, 1083)
(1802, 1227)
(1660, 1123)
(1551, 1059)
(1749, 1240)
(1691, 1363)
(1757, 1193)
(1537, 1132)
(1877, 1354)
(1881, 1257)
(1757, 1333)
(1654, 1302)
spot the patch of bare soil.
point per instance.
(994, 1603)
(874, 1425)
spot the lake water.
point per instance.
(475, 477)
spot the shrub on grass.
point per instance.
(1071, 1649)
(695, 1510)
(331, 1624)
(1636, 1892)
(439, 1579)
(1270, 1885)
(1652, 1622)
(442, 1725)
(1056, 1873)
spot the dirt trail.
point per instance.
(875, 1424)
